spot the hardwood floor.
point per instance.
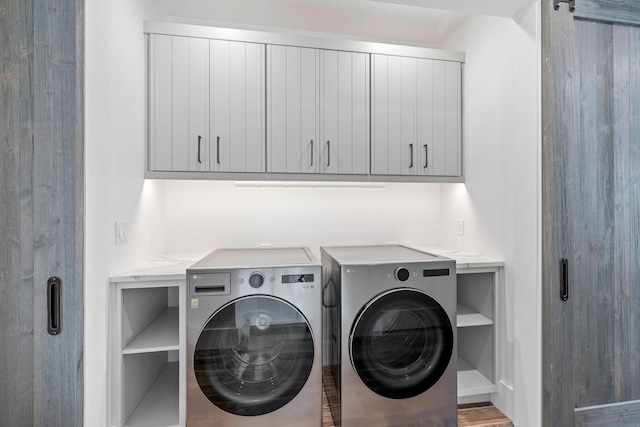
(476, 415)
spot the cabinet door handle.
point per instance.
(199, 143)
(564, 280)
(312, 152)
(54, 305)
(218, 149)
(410, 155)
(426, 156)
(328, 153)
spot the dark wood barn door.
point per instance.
(591, 213)
(41, 212)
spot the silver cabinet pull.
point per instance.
(199, 142)
(328, 153)
(218, 150)
(312, 152)
(411, 156)
(426, 156)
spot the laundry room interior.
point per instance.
(494, 213)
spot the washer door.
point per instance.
(401, 343)
(253, 355)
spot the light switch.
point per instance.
(122, 232)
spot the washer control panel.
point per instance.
(224, 282)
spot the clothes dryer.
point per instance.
(253, 339)
(390, 336)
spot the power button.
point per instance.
(402, 274)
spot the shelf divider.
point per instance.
(467, 317)
(161, 335)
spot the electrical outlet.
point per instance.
(461, 227)
(122, 232)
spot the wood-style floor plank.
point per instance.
(482, 415)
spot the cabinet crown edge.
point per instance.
(318, 40)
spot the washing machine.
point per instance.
(389, 322)
(254, 338)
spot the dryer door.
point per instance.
(401, 343)
(253, 355)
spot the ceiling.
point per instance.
(420, 22)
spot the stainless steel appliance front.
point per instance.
(253, 339)
(389, 333)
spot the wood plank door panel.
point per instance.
(41, 211)
(591, 217)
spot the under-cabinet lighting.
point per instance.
(310, 184)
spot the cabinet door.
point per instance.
(416, 116)
(440, 117)
(344, 112)
(237, 106)
(178, 88)
(394, 138)
(292, 109)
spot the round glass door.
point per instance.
(253, 355)
(401, 343)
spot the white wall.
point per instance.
(115, 188)
(201, 216)
(499, 200)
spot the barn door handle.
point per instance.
(54, 308)
(199, 143)
(564, 286)
(411, 155)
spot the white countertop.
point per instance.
(174, 266)
(165, 267)
(465, 259)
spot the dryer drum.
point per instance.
(401, 343)
(254, 355)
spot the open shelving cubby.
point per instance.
(146, 343)
(477, 331)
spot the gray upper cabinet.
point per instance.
(317, 110)
(253, 105)
(178, 109)
(206, 105)
(237, 106)
(416, 116)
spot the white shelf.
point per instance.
(159, 408)
(161, 335)
(471, 382)
(467, 317)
